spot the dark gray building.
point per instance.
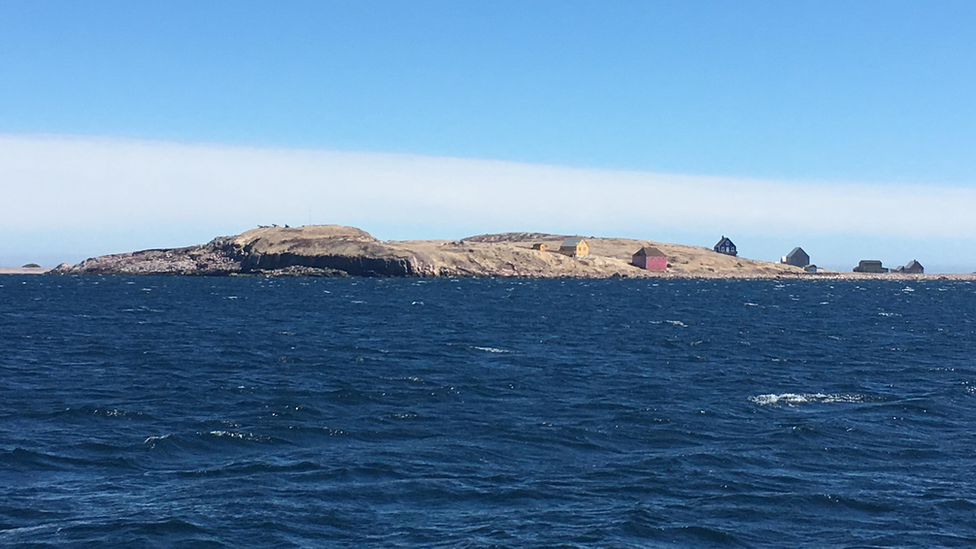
(797, 258)
(725, 246)
(870, 266)
(914, 267)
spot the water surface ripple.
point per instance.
(203, 412)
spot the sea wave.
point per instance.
(407, 426)
(153, 440)
(492, 350)
(250, 437)
(792, 399)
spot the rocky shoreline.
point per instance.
(337, 251)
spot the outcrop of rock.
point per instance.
(218, 257)
(328, 250)
(333, 250)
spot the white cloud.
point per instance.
(59, 182)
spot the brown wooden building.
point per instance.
(650, 258)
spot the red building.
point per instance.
(651, 259)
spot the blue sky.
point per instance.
(804, 95)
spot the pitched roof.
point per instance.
(913, 263)
(650, 251)
(796, 251)
(725, 240)
(571, 242)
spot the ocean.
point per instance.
(290, 412)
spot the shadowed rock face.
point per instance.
(321, 251)
(330, 248)
(346, 265)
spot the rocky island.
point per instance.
(334, 250)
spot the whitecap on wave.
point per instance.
(671, 322)
(493, 350)
(151, 441)
(239, 436)
(792, 399)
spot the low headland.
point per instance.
(334, 250)
(23, 270)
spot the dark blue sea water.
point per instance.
(206, 412)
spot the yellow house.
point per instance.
(574, 247)
(541, 247)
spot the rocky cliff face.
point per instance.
(315, 251)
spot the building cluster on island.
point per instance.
(648, 257)
(875, 266)
(653, 259)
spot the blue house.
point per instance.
(726, 246)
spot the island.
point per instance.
(335, 250)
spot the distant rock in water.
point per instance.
(32, 266)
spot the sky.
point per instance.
(847, 128)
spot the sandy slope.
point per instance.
(608, 257)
